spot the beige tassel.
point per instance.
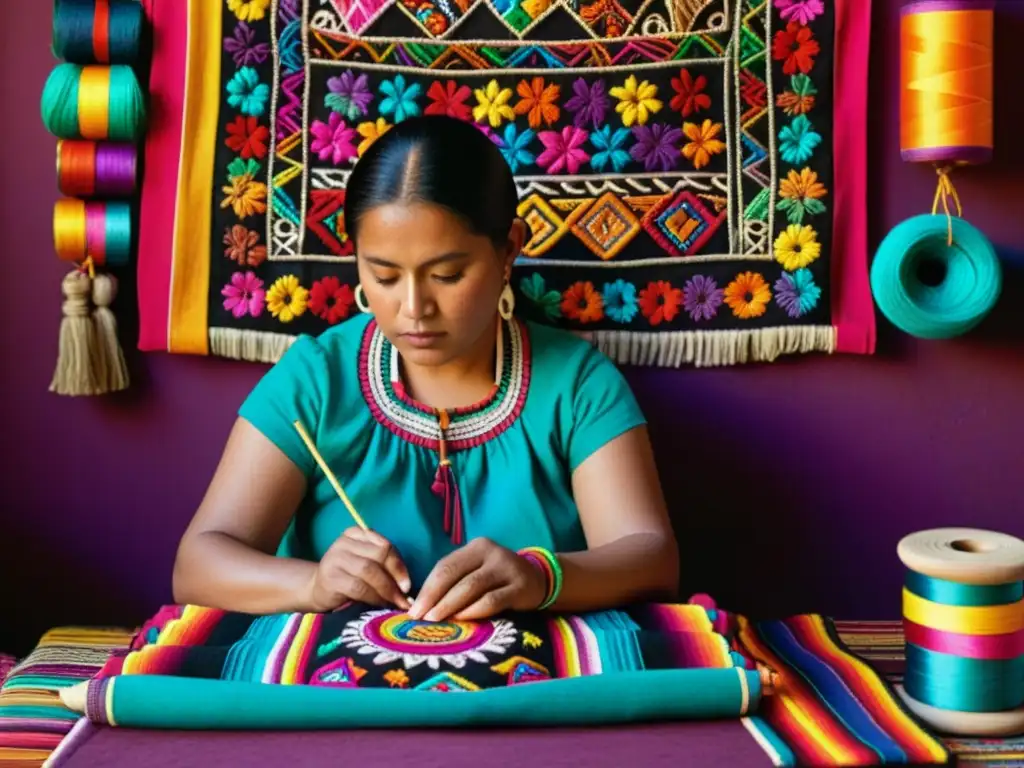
(75, 373)
(111, 368)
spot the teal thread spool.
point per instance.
(929, 288)
(97, 31)
(963, 622)
(93, 102)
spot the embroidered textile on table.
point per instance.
(360, 646)
(27, 735)
(692, 172)
(830, 706)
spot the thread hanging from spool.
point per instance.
(99, 103)
(963, 618)
(98, 232)
(97, 31)
(96, 169)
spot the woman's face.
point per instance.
(431, 283)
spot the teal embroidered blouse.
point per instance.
(556, 401)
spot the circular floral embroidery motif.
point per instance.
(394, 636)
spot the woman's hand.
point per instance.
(361, 566)
(477, 581)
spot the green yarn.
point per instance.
(126, 104)
(60, 101)
(965, 284)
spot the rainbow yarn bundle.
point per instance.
(936, 276)
(94, 105)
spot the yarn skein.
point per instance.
(96, 230)
(93, 102)
(96, 169)
(967, 280)
(97, 31)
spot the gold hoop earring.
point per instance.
(361, 299)
(506, 302)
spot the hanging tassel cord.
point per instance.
(445, 487)
(944, 192)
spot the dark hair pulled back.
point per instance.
(438, 160)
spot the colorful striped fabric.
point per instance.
(32, 719)
(70, 654)
(830, 708)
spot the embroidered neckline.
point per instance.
(470, 425)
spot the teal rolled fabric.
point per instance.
(155, 701)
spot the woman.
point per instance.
(461, 434)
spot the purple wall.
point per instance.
(833, 459)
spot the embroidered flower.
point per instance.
(538, 101)
(799, 99)
(249, 10)
(239, 167)
(513, 146)
(636, 102)
(702, 297)
(449, 99)
(657, 146)
(247, 137)
(348, 95)
(244, 49)
(588, 104)
(796, 247)
(620, 301)
(610, 148)
(798, 140)
(245, 196)
(581, 302)
(801, 195)
(396, 678)
(286, 299)
(660, 302)
(371, 131)
(562, 150)
(748, 295)
(703, 143)
(492, 104)
(399, 98)
(246, 93)
(244, 295)
(534, 288)
(690, 97)
(331, 300)
(332, 140)
(795, 45)
(241, 246)
(800, 11)
(797, 293)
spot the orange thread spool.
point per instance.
(946, 55)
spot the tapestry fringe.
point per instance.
(673, 349)
(704, 349)
(252, 346)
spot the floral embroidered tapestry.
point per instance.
(692, 171)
